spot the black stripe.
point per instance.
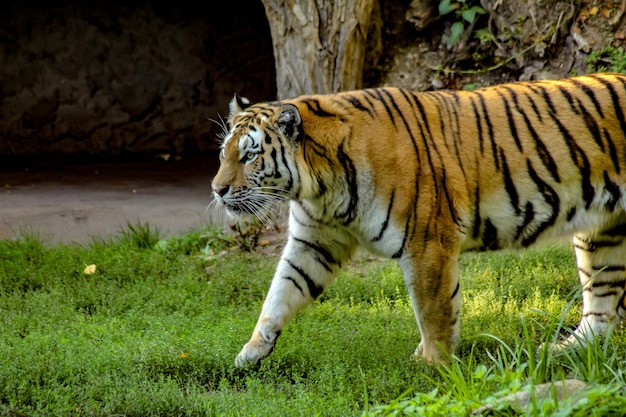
(600, 269)
(308, 213)
(328, 258)
(568, 98)
(314, 289)
(309, 145)
(529, 215)
(594, 129)
(613, 189)
(414, 100)
(477, 219)
(619, 230)
(479, 125)
(286, 165)
(599, 317)
(590, 93)
(417, 103)
(571, 213)
(350, 171)
(366, 95)
(386, 222)
(511, 119)
(509, 184)
(380, 98)
(609, 268)
(579, 158)
(591, 246)
(546, 98)
(458, 137)
(542, 150)
(456, 318)
(619, 114)
(300, 221)
(440, 114)
(494, 150)
(356, 103)
(449, 199)
(490, 236)
(456, 290)
(532, 102)
(551, 197)
(276, 173)
(450, 113)
(606, 294)
(397, 254)
(395, 106)
(293, 281)
(612, 150)
(315, 107)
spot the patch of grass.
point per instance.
(607, 59)
(155, 329)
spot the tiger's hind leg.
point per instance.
(601, 259)
(432, 280)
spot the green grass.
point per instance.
(607, 59)
(154, 332)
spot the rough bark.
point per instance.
(319, 45)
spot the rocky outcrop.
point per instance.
(119, 78)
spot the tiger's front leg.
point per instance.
(307, 267)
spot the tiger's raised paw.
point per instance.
(250, 356)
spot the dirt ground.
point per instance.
(74, 202)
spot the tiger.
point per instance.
(422, 177)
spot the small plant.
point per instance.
(247, 233)
(466, 13)
(607, 59)
(140, 235)
(205, 242)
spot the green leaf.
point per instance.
(446, 6)
(470, 14)
(455, 31)
(162, 245)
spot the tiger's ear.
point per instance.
(237, 105)
(289, 122)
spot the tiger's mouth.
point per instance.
(238, 209)
(260, 204)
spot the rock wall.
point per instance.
(119, 78)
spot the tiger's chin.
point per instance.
(240, 213)
(242, 216)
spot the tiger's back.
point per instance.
(422, 177)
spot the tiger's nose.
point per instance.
(221, 190)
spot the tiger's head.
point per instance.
(257, 157)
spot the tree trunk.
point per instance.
(319, 45)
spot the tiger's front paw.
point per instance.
(252, 353)
(248, 358)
